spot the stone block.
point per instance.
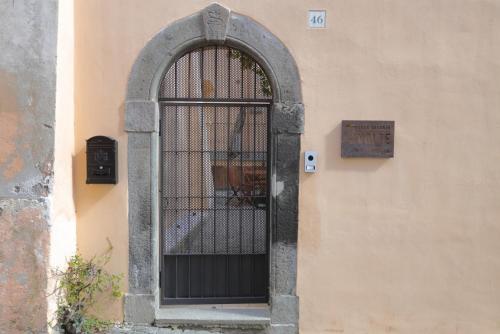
(139, 175)
(284, 329)
(139, 309)
(284, 310)
(284, 270)
(288, 118)
(141, 116)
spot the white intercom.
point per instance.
(310, 161)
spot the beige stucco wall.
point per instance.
(404, 245)
(63, 217)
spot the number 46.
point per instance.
(317, 19)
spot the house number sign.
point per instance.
(317, 18)
(371, 139)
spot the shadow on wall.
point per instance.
(335, 162)
(121, 118)
(310, 214)
(86, 197)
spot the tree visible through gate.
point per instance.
(214, 111)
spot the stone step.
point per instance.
(177, 330)
(136, 329)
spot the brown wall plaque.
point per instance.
(372, 139)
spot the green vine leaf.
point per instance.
(248, 63)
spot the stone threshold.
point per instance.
(137, 329)
(230, 316)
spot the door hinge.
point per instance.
(159, 281)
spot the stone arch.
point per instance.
(213, 25)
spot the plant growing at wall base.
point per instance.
(78, 288)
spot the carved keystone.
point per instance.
(215, 20)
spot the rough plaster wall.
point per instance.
(24, 239)
(28, 31)
(406, 245)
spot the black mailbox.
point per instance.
(102, 162)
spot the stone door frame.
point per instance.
(213, 25)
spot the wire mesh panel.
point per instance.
(214, 178)
(215, 73)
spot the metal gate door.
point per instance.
(214, 192)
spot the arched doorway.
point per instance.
(214, 126)
(214, 25)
